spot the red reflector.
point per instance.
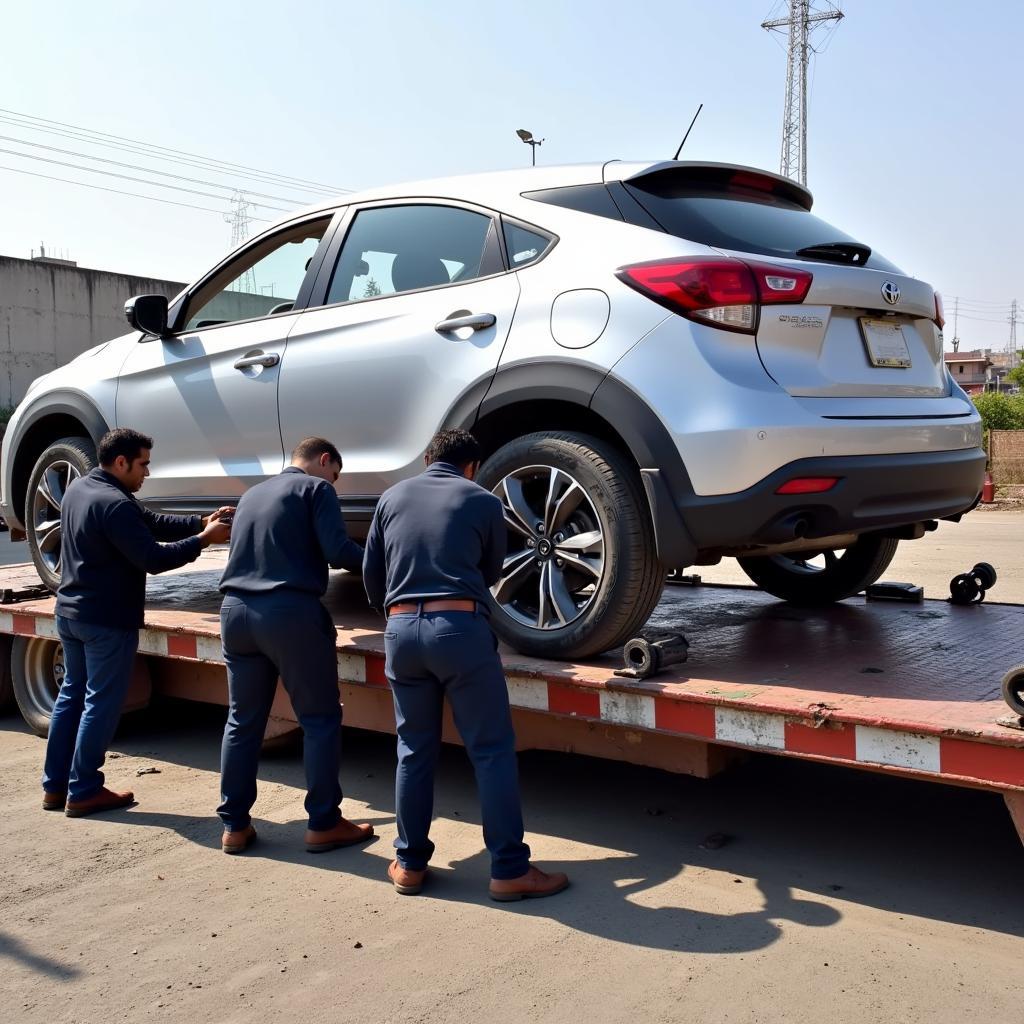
(808, 485)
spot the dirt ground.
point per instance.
(838, 895)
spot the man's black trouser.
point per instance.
(287, 634)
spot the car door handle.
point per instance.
(263, 359)
(478, 321)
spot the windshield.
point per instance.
(745, 220)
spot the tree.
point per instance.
(1000, 411)
(1016, 376)
(372, 289)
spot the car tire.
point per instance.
(591, 593)
(793, 579)
(64, 461)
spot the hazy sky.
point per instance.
(916, 142)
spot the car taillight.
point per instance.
(722, 291)
(940, 313)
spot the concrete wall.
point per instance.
(49, 314)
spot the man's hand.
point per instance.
(225, 512)
(216, 531)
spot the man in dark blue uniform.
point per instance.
(286, 532)
(108, 544)
(436, 544)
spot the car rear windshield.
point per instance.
(747, 220)
(723, 208)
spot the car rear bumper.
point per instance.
(874, 492)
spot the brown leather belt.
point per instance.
(438, 605)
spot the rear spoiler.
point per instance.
(716, 175)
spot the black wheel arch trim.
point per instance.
(662, 472)
(65, 402)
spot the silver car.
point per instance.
(666, 363)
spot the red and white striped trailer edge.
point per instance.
(911, 689)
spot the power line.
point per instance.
(116, 191)
(173, 156)
(127, 177)
(150, 170)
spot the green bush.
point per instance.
(999, 411)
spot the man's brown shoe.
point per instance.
(238, 841)
(345, 833)
(104, 800)
(54, 801)
(407, 881)
(534, 885)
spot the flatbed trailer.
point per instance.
(903, 688)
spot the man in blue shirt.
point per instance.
(436, 544)
(108, 544)
(286, 532)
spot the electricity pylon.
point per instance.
(803, 18)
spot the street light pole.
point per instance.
(533, 143)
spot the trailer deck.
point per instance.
(911, 689)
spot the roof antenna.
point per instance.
(688, 130)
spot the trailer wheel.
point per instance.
(64, 461)
(37, 670)
(831, 576)
(1013, 689)
(6, 691)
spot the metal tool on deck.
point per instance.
(644, 657)
(36, 592)
(1013, 691)
(970, 587)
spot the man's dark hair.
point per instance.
(457, 447)
(313, 448)
(122, 441)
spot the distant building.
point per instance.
(53, 310)
(969, 369)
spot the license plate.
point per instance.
(885, 343)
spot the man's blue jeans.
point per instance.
(97, 672)
(264, 636)
(430, 656)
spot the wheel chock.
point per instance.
(909, 592)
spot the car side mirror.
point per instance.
(148, 313)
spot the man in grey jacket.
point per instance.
(286, 532)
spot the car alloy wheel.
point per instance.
(46, 503)
(556, 548)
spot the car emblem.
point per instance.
(891, 293)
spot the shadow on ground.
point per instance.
(906, 847)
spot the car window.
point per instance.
(394, 249)
(265, 279)
(524, 246)
(728, 215)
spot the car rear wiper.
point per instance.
(837, 252)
